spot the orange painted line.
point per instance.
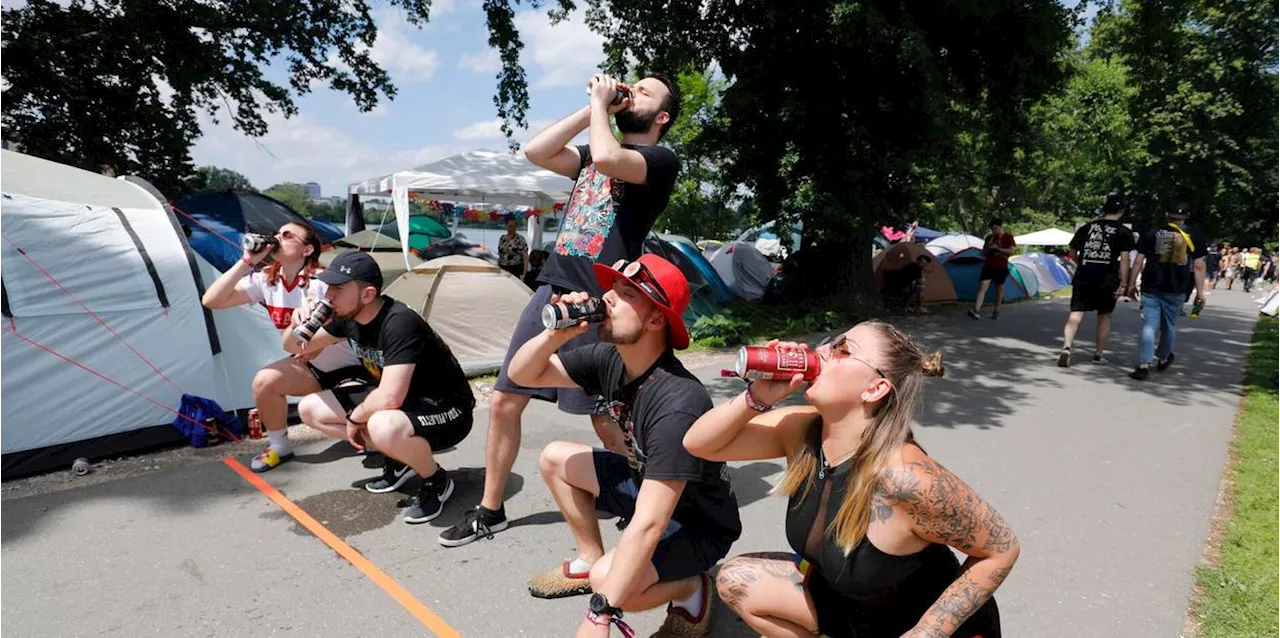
(380, 578)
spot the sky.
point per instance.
(445, 74)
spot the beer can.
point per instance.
(320, 315)
(776, 364)
(561, 315)
(254, 242)
(255, 424)
(80, 467)
(620, 94)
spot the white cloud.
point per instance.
(395, 50)
(486, 61)
(302, 149)
(566, 54)
(491, 131)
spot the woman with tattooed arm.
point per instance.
(870, 515)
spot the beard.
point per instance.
(608, 335)
(629, 121)
(350, 316)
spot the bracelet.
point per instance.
(247, 262)
(753, 403)
(623, 627)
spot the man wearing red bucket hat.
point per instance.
(683, 516)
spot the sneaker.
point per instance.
(973, 314)
(429, 501)
(995, 314)
(1163, 364)
(394, 474)
(559, 583)
(475, 523)
(268, 459)
(1064, 358)
(1099, 360)
(679, 624)
(1140, 374)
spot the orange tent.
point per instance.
(937, 285)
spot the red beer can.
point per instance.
(255, 424)
(777, 364)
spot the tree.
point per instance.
(217, 179)
(1204, 108)
(120, 83)
(832, 104)
(295, 195)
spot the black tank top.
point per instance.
(869, 594)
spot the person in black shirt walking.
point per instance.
(621, 189)
(421, 402)
(1171, 259)
(683, 514)
(1101, 250)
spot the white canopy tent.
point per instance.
(1046, 237)
(481, 177)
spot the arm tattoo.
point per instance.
(737, 576)
(944, 509)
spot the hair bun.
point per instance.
(931, 364)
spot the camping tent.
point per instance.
(232, 213)
(488, 177)
(743, 269)
(965, 269)
(953, 243)
(706, 272)
(123, 255)
(704, 297)
(1046, 237)
(389, 257)
(937, 285)
(709, 247)
(1049, 271)
(1271, 305)
(473, 305)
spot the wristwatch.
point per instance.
(599, 605)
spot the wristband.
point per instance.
(247, 262)
(623, 627)
(753, 403)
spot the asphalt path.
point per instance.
(1109, 483)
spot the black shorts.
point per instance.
(334, 378)
(441, 424)
(570, 400)
(994, 275)
(682, 551)
(1093, 297)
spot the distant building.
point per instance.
(313, 190)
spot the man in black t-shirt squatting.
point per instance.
(683, 514)
(621, 188)
(1101, 250)
(422, 402)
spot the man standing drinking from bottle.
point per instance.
(621, 189)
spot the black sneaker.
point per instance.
(1163, 364)
(974, 314)
(394, 474)
(1099, 360)
(1140, 374)
(429, 501)
(1064, 358)
(475, 523)
(995, 314)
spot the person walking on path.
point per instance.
(995, 269)
(1250, 262)
(683, 514)
(871, 518)
(513, 251)
(621, 189)
(1101, 248)
(1170, 258)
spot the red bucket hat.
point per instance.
(663, 283)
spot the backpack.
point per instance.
(208, 414)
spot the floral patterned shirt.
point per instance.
(511, 250)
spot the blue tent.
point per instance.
(231, 214)
(965, 270)
(927, 234)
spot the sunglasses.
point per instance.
(845, 347)
(290, 235)
(640, 275)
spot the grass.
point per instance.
(1238, 592)
(744, 322)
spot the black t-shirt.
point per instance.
(607, 219)
(655, 411)
(399, 335)
(1212, 260)
(1169, 258)
(1099, 245)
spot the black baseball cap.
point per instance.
(1114, 204)
(350, 266)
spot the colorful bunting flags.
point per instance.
(473, 214)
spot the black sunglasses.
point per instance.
(640, 275)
